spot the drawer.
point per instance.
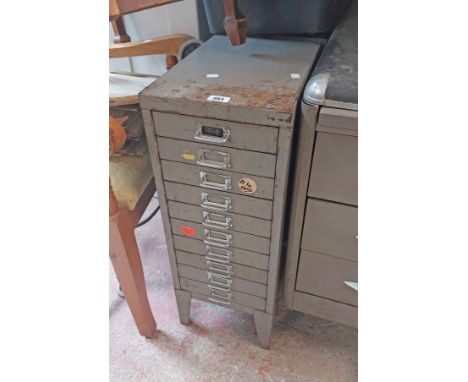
(325, 276)
(237, 297)
(238, 256)
(331, 229)
(228, 239)
(220, 220)
(219, 201)
(327, 309)
(248, 162)
(338, 121)
(215, 132)
(334, 174)
(239, 285)
(238, 271)
(217, 180)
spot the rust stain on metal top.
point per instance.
(265, 95)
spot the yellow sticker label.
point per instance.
(188, 156)
(247, 185)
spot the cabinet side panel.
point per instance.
(156, 163)
(296, 209)
(279, 201)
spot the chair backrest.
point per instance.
(118, 8)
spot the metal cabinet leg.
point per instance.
(183, 299)
(264, 326)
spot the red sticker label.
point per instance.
(187, 231)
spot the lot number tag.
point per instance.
(217, 98)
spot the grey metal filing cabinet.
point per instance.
(219, 127)
(322, 256)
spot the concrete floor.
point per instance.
(220, 344)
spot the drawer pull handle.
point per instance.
(223, 269)
(225, 302)
(224, 185)
(222, 297)
(220, 255)
(212, 134)
(213, 220)
(217, 238)
(204, 155)
(219, 282)
(352, 284)
(211, 205)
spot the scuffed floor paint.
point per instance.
(220, 344)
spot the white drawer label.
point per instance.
(217, 98)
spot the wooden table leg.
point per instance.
(126, 260)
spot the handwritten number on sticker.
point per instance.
(247, 185)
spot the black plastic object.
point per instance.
(280, 17)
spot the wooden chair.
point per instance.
(135, 192)
(131, 182)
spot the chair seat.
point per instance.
(130, 175)
(125, 87)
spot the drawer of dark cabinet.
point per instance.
(331, 229)
(334, 173)
(327, 276)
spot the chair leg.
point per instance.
(171, 61)
(120, 34)
(126, 260)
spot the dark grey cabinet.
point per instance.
(219, 127)
(321, 275)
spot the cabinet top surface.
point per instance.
(334, 81)
(263, 75)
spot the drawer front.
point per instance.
(248, 162)
(238, 256)
(215, 132)
(338, 121)
(331, 229)
(219, 238)
(220, 220)
(234, 297)
(239, 285)
(219, 201)
(325, 276)
(216, 180)
(334, 174)
(327, 309)
(238, 271)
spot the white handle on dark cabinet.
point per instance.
(352, 284)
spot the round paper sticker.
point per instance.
(247, 185)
